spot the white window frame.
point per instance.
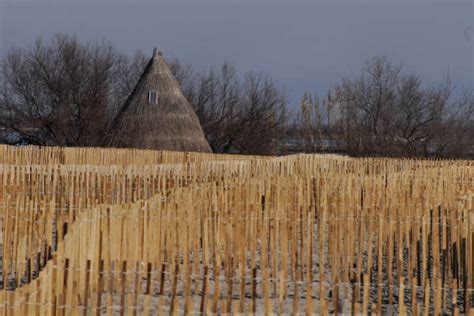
(152, 97)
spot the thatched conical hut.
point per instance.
(157, 115)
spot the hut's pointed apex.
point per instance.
(156, 53)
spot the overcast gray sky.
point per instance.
(304, 45)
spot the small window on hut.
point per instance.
(152, 97)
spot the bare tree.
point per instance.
(238, 115)
(416, 112)
(369, 100)
(63, 92)
(388, 112)
(452, 136)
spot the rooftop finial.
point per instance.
(156, 52)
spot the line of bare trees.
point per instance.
(385, 111)
(65, 92)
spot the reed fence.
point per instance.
(115, 232)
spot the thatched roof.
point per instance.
(157, 115)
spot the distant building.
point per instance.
(157, 115)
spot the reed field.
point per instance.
(137, 232)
